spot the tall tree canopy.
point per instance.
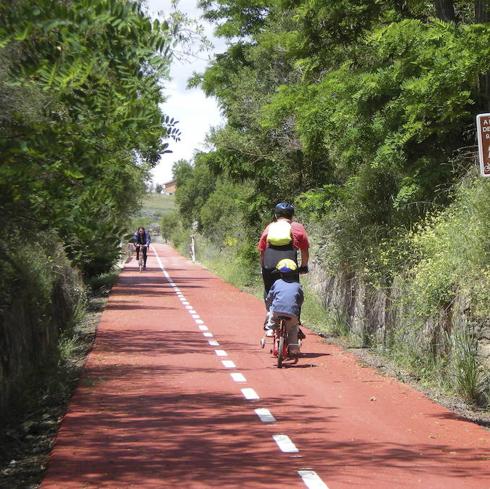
(81, 125)
(358, 110)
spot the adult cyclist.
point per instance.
(142, 240)
(281, 239)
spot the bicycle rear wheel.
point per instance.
(280, 352)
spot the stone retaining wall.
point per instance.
(372, 314)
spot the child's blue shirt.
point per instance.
(285, 297)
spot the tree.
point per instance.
(83, 124)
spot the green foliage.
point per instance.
(451, 253)
(41, 298)
(172, 230)
(194, 185)
(76, 159)
(222, 215)
(356, 110)
(362, 113)
(468, 375)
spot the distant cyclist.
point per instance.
(281, 239)
(142, 240)
(284, 300)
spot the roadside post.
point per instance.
(483, 131)
(195, 225)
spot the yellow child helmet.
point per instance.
(286, 265)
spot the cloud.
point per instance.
(195, 112)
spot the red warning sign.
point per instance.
(483, 129)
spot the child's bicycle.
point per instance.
(280, 346)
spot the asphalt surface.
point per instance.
(160, 405)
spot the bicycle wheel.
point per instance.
(280, 344)
(141, 261)
(280, 352)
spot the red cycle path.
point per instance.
(156, 408)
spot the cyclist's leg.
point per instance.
(292, 327)
(268, 279)
(145, 256)
(137, 252)
(270, 323)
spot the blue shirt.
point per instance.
(146, 238)
(285, 297)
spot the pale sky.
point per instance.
(196, 113)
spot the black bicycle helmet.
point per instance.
(284, 209)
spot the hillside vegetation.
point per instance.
(362, 113)
(154, 207)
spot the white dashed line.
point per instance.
(285, 444)
(265, 415)
(238, 377)
(312, 480)
(250, 394)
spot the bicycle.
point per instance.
(141, 260)
(280, 344)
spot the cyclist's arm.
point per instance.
(305, 256)
(301, 297)
(269, 299)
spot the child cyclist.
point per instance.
(284, 299)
